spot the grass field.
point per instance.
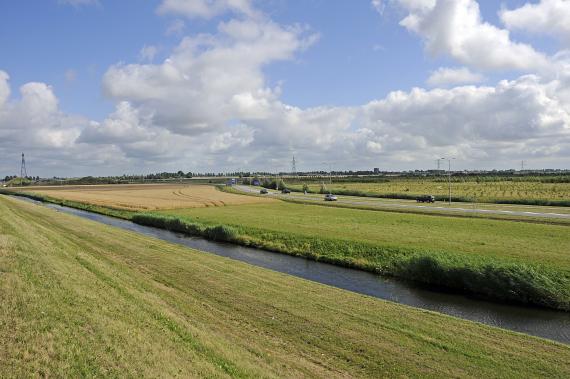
(147, 196)
(485, 191)
(503, 260)
(81, 299)
(499, 259)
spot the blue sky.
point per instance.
(339, 74)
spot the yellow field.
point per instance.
(148, 196)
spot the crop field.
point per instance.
(484, 191)
(81, 299)
(147, 196)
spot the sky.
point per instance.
(97, 87)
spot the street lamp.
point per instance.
(449, 174)
(330, 174)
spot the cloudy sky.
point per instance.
(95, 87)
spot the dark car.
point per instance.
(263, 191)
(425, 199)
(285, 190)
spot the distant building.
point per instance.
(376, 170)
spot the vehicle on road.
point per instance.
(330, 197)
(425, 199)
(285, 190)
(264, 191)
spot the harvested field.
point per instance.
(148, 196)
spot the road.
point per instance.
(389, 204)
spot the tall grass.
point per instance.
(212, 232)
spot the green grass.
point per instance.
(81, 299)
(519, 262)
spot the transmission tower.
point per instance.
(294, 166)
(23, 172)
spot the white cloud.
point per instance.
(148, 52)
(205, 8)
(208, 79)
(444, 76)
(378, 5)
(4, 87)
(176, 27)
(545, 17)
(454, 28)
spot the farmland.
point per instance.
(84, 299)
(522, 191)
(147, 197)
(501, 260)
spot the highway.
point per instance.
(379, 203)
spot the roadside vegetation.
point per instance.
(530, 190)
(81, 299)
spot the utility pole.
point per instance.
(449, 175)
(522, 165)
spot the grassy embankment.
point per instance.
(500, 260)
(82, 299)
(464, 190)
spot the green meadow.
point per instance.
(522, 262)
(81, 299)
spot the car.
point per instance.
(330, 197)
(425, 199)
(264, 191)
(285, 190)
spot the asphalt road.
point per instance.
(387, 204)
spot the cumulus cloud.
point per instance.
(444, 76)
(205, 8)
(148, 52)
(208, 79)
(455, 28)
(545, 17)
(176, 27)
(208, 106)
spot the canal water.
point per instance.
(554, 325)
